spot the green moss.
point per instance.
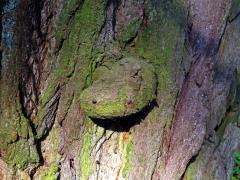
(160, 53)
(76, 58)
(70, 7)
(8, 135)
(161, 42)
(158, 42)
(53, 142)
(16, 148)
(18, 140)
(149, 87)
(80, 44)
(78, 47)
(128, 156)
(85, 162)
(116, 93)
(130, 31)
(15, 138)
(107, 108)
(113, 107)
(9, 119)
(234, 9)
(23, 127)
(20, 160)
(236, 167)
(193, 169)
(22, 154)
(50, 173)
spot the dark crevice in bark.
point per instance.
(106, 32)
(223, 121)
(33, 57)
(222, 35)
(38, 6)
(50, 114)
(60, 121)
(41, 160)
(30, 80)
(33, 128)
(156, 162)
(130, 41)
(234, 18)
(28, 77)
(72, 169)
(38, 16)
(99, 141)
(124, 124)
(192, 160)
(105, 138)
(143, 23)
(26, 100)
(97, 150)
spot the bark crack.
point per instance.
(234, 18)
(98, 149)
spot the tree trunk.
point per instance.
(119, 89)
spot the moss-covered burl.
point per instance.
(119, 89)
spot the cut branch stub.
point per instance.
(123, 89)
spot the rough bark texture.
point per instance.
(53, 50)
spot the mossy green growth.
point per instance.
(85, 162)
(124, 89)
(70, 7)
(236, 167)
(79, 47)
(17, 142)
(130, 30)
(234, 9)
(74, 61)
(128, 155)
(50, 173)
(160, 51)
(161, 41)
(22, 154)
(107, 108)
(12, 123)
(193, 169)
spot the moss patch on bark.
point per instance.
(126, 88)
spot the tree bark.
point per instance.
(53, 51)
